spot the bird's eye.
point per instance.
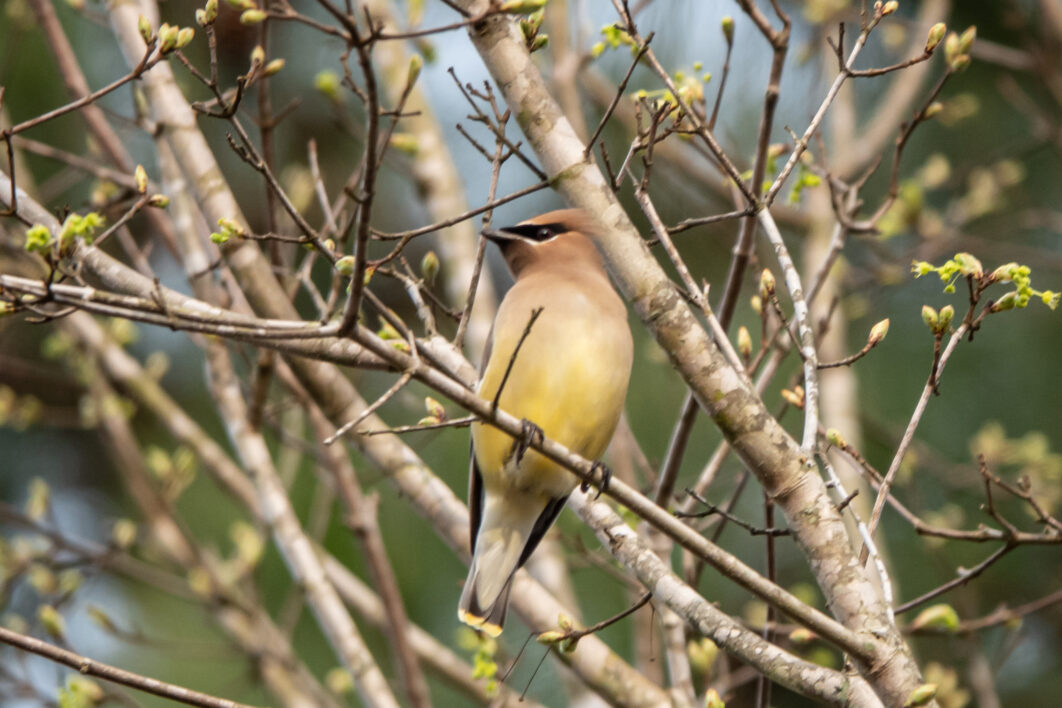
(544, 233)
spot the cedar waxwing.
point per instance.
(568, 381)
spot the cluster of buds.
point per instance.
(938, 322)
(957, 49)
(230, 228)
(140, 179)
(207, 14)
(170, 37)
(529, 29)
(885, 9)
(250, 13)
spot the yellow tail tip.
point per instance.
(480, 623)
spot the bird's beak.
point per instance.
(499, 236)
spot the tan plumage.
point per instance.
(569, 378)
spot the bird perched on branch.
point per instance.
(560, 359)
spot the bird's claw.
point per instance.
(606, 475)
(531, 433)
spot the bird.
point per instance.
(559, 358)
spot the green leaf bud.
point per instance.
(921, 696)
(932, 110)
(39, 239)
(944, 318)
(327, 82)
(253, 17)
(168, 38)
(273, 67)
(951, 47)
(415, 65)
(231, 227)
(220, 237)
(159, 201)
(141, 179)
(727, 25)
(744, 342)
(967, 38)
(539, 42)
(890, 7)
(1050, 298)
(930, 317)
(429, 267)
(345, 266)
(834, 437)
(959, 65)
(406, 143)
(210, 12)
(936, 33)
(123, 533)
(52, 621)
(767, 283)
(258, 55)
(144, 27)
(878, 331)
(942, 616)
(185, 37)
(522, 7)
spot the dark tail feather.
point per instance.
(490, 619)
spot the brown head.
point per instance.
(559, 237)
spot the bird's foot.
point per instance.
(531, 434)
(606, 475)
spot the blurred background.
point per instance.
(981, 177)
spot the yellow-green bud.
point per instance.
(756, 303)
(889, 8)
(522, 7)
(39, 239)
(258, 55)
(878, 331)
(936, 33)
(728, 29)
(1007, 302)
(219, 237)
(52, 621)
(801, 635)
(253, 17)
(434, 408)
(551, 636)
(744, 342)
(144, 27)
(967, 38)
(834, 437)
(932, 110)
(941, 616)
(1004, 273)
(210, 12)
(947, 314)
(415, 65)
(960, 63)
(951, 47)
(429, 267)
(241, 4)
(930, 317)
(168, 38)
(794, 398)
(273, 67)
(539, 42)
(123, 533)
(921, 695)
(969, 264)
(231, 227)
(159, 201)
(713, 700)
(185, 37)
(141, 179)
(405, 142)
(327, 82)
(339, 681)
(201, 17)
(767, 283)
(345, 265)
